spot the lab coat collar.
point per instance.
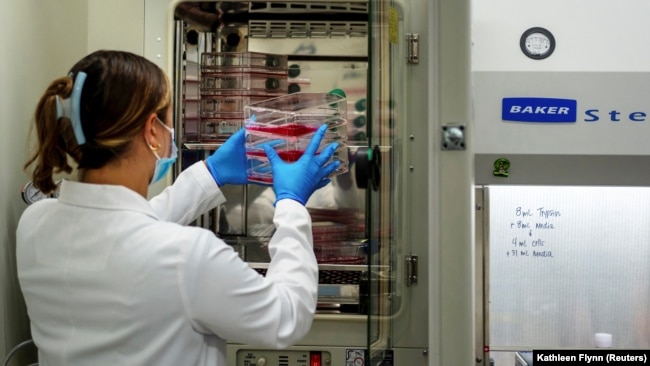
(103, 196)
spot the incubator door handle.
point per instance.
(367, 171)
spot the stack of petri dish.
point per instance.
(231, 80)
(339, 235)
(288, 123)
(332, 246)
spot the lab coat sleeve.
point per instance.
(224, 296)
(193, 193)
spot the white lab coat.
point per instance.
(110, 278)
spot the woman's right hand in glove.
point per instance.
(300, 179)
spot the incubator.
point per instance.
(280, 70)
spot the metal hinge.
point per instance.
(411, 264)
(413, 40)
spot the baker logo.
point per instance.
(543, 110)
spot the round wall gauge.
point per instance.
(537, 43)
(31, 194)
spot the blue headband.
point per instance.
(70, 107)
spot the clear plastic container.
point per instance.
(341, 215)
(220, 126)
(244, 61)
(269, 84)
(288, 123)
(212, 105)
(340, 252)
(327, 231)
(295, 115)
(255, 142)
(260, 170)
(301, 126)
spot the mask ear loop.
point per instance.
(70, 107)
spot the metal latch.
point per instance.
(413, 41)
(411, 265)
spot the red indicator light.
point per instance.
(315, 359)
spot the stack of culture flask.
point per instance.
(288, 123)
(231, 80)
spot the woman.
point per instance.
(110, 278)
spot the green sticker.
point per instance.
(501, 167)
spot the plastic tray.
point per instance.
(220, 126)
(244, 61)
(327, 231)
(260, 170)
(271, 84)
(340, 252)
(212, 105)
(295, 115)
(255, 143)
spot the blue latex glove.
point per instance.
(300, 179)
(228, 163)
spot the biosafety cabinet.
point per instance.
(562, 105)
(376, 227)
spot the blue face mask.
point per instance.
(163, 164)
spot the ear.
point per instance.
(152, 132)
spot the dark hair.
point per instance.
(121, 90)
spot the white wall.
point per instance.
(595, 35)
(600, 62)
(40, 41)
(116, 24)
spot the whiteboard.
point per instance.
(568, 262)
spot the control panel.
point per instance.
(283, 358)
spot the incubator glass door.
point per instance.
(387, 96)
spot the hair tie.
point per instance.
(70, 107)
